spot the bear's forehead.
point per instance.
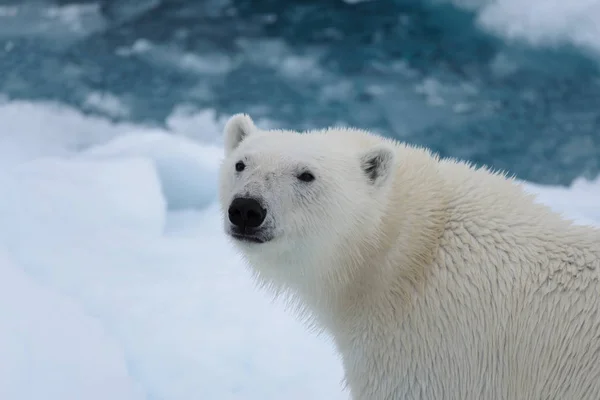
(292, 147)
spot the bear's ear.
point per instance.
(236, 130)
(378, 164)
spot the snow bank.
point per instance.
(130, 231)
(51, 349)
(95, 197)
(187, 170)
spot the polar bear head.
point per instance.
(298, 204)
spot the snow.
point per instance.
(117, 282)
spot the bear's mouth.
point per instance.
(247, 238)
(250, 236)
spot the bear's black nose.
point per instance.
(246, 212)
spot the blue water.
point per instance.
(414, 70)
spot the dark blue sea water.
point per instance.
(415, 70)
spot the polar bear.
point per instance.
(435, 279)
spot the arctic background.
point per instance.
(115, 278)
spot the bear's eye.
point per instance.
(240, 166)
(306, 177)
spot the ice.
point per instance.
(120, 11)
(92, 224)
(106, 103)
(541, 22)
(44, 129)
(546, 21)
(104, 196)
(173, 57)
(51, 349)
(59, 25)
(580, 202)
(196, 124)
(117, 281)
(187, 170)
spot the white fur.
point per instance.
(436, 281)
